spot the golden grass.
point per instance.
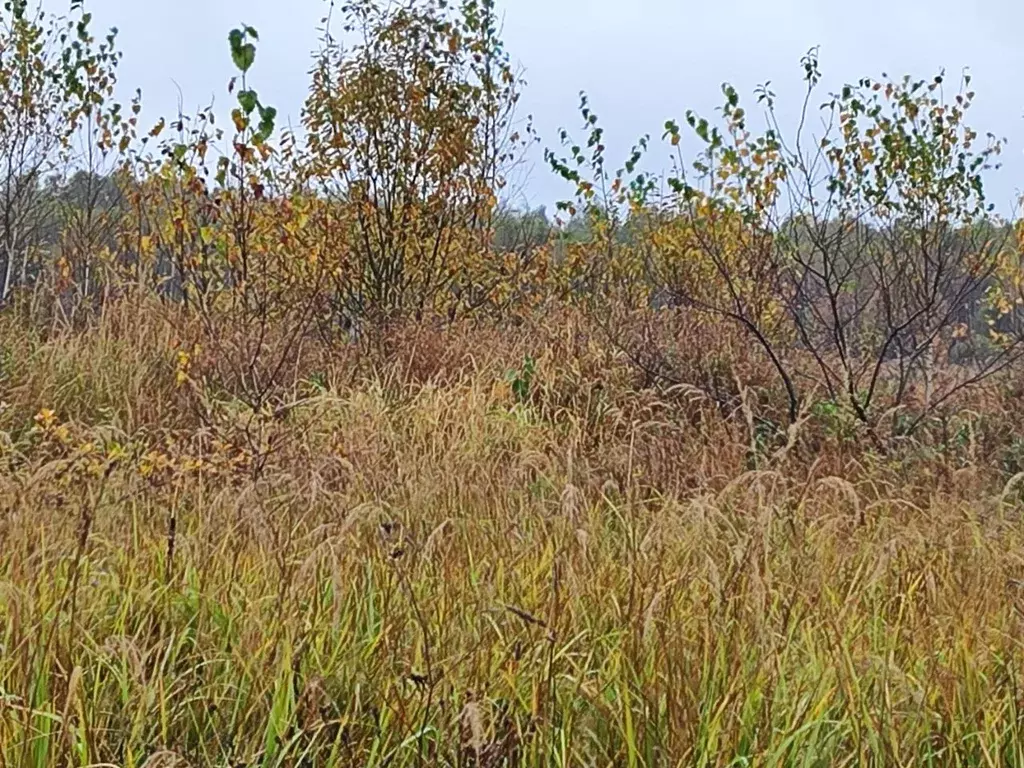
(426, 572)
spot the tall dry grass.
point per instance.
(410, 565)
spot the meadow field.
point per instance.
(313, 453)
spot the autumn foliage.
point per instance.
(315, 452)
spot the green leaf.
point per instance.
(266, 122)
(243, 53)
(244, 57)
(248, 100)
(266, 126)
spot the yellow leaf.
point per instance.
(46, 418)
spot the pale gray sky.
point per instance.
(641, 61)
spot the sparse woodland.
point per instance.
(313, 452)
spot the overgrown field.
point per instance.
(315, 452)
(431, 570)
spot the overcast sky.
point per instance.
(641, 61)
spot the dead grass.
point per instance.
(423, 570)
